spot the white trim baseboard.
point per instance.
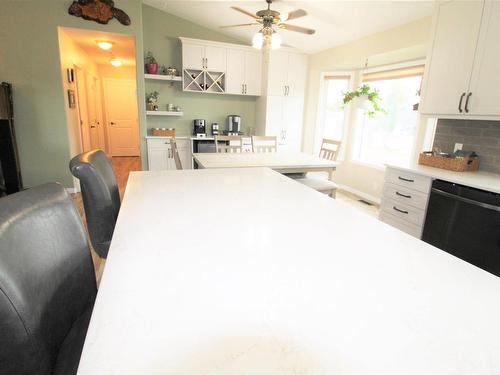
(368, 197)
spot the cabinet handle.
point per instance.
(467, 102)
(397, 209)
(287, 90)
(403, 195)
(460, 102)
(405, 179)
(245, 88)
(242, 88)
(284, 90)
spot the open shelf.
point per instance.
(164, 113)
(161, 77)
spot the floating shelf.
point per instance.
(164, 113)
(160, 77)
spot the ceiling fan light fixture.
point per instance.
(275, 40)
(258, 40)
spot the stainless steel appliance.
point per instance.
(215, 129)
(199, 127)
(465, 222)
(233, 124)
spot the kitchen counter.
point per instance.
(479, 180)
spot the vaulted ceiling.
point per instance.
(336, 22)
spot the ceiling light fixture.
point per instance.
(104, 44)
(116, 62)
(266, 38)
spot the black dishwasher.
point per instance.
(465, 222)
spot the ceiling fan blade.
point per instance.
(298, 29)
(245, 12)
(241, 24)
(293, 15)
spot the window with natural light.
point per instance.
(332, 116)
(389, 138)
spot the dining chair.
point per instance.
(101, 198)
(228, 144)
(47, 283)
(264, 144)
(175, 153)
(329, 150)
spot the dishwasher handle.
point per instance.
(466, 200)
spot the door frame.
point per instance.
(81, 107)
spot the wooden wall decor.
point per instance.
(100, 11)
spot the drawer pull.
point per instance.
(402, 211)
(403, 195)
(405, 179)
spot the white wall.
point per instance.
(404, 43)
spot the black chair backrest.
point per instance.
(101, 197)
(47, 278)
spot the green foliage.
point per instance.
(149, 58)
(372, 95)
(152, 97)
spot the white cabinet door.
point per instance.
(452, 56)
(184, 149)
(296, 74)
(253, 73)
(158, 159)
(484, 87)
(215, 58)
(277, 74)
(235, 73)
(192, 56)
(274, 115)
(293, 115)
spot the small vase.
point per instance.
(152, 68)
(150, 106)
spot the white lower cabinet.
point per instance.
(160, 155)
(404, 200)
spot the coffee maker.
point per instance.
(198, 127)
(233, 125)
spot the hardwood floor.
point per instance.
(122, 166)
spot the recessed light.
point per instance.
(116, 62)
(104, 44)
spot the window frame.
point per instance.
(321, 110)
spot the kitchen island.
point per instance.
(292, 282)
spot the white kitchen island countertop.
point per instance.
(271, 277)
(479, 180)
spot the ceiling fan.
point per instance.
(268, 18)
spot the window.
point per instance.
(390, 137)
(332, 116)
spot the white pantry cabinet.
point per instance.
(463, 68)
(244, 72)
(286, 75)
(160, 155)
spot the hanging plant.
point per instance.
(371, 97)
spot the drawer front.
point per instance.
(403, 211)
(408, 180)
(411, 229)
(404, 195)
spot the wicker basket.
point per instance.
(162, 132)
(466, 164)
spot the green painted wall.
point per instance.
(29, 59)
(161, 36)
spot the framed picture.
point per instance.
(71, 99)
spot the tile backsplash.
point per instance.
(483, 137)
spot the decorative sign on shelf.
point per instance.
(100, 11)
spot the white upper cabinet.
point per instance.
(485, 81)
(253, 73)
(296, 74)
(287, 73)
(277, 75)
(215, 59)
(463, 68)
(193, 56)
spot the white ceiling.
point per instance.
(123, 48)
(336, 22)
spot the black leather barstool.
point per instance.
(101, 197)
(47, 283)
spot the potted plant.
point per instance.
(152, 101)
(150, 63)
(366, 99)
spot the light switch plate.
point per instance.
(458, 146)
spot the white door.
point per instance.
(293, 115)
(192, 56)
(121, 116)
(448, 74)
(235, 73)
(95, 115)
(274, 115)
(253, 73)
(278, 66)
(485, 81)
(215, 59)
(296, 74)
(81, 102)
